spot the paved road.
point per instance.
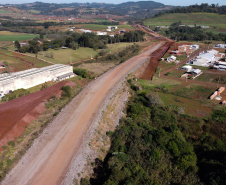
(46, 162)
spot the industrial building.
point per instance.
(35, 76)
(205, 59)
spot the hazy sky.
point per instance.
(166, 2)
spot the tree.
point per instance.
(17, 45)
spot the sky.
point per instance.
(166, 2)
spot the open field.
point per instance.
(215, 21)
(17, 62)
(192, 98)
(12, 36)
(119, 46)
(65, 56)
(98, 27)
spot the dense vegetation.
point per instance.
(178, 32)
(157, 144)
(204, 7)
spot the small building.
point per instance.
(175, 52)
(186, 68)
(220, 46)
(101, 33)
(171, 58)
(2, 65)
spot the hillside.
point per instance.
(137, 10)
(215, 21)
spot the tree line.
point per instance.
(196, 33)
(204, 7)
(76, 40)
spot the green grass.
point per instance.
(98, 27)
(214, 78)
(119, 46)
(63, 56)
(16, 37)
(34, 11)
(3, 11)
(18, 63)
(207, 19)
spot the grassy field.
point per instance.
(65, 56)
(215, 21)
(18, 62)
(193, 99)
(98, 27)
(12, 36)
(3, 11)
(119, 46)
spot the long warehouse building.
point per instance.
(35, 76)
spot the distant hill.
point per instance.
(132, 10)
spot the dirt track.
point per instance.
(46, 162)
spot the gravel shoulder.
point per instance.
(48, 159)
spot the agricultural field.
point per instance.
(97, 27)
(18, 62)
(66, 56)
(191, 98)
(12, 36)
(215, 21)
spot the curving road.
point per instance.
(47, 161)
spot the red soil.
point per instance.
(16, 114)
(154, 61)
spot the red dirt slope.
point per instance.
(16, 114)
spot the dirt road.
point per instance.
(46, 162)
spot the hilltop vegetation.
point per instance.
(204, 7)
(215, 21)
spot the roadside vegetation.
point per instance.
(156, 143)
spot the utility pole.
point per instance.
(218, 82)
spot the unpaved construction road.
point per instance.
(47, 161)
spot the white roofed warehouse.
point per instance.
(35, 76)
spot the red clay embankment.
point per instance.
(16, 114)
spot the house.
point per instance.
(175, 52)
(194, 47)
(220, 46)
(186, 68)
(101, 33)
(205, 59)
(171, 58)
(2, 65)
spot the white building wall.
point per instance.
(32, 77)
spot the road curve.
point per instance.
(47, 160)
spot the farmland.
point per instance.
(12, 36)
(215, 21)
(98, 27)
(193, 99)
(65, 56)
(17, 62)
